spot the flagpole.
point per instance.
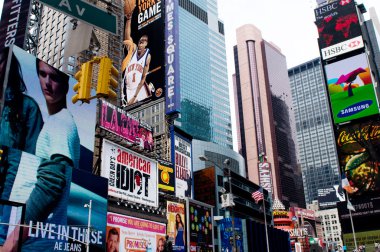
(352, 222)
(265, 221)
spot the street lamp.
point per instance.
(226, 162)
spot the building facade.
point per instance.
(332, 231)
(263, 104)
(315, 136)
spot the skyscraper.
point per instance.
(315, 136)
(264, 120)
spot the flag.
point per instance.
(350, 206)
(258, 195)
(346, 185)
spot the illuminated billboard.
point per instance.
(181, 155)
(39, 116)
(337, 22)
(328, 197)
(342, 48)
(54, 195)
(357, 147)
(131, 176)
(350, 89)
(143, 68)
(126, 126)
(200, 226)
(176, 227)
(125, 233)
(166, 177)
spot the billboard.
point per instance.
(143, 68)
(200, 227)
(357, 146)
(172, 80)
(226, 234)
(12, 214)
(54, 195)
(166, 176)
(125, 233)
(265, 175)
(328, 197)
(342, 48)
(176, 227)
(350, 89)
(182, 154)
(369, 239)
(204, 185)
(131, 176)
(337, 22)
(14, 22)
(126, 126)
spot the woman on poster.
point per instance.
(179, 231)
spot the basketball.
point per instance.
(129, 6)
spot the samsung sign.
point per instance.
(341, 48)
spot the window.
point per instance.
(157, 129)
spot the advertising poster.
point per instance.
(351, 89)
(183, 166)
(357, 147)
(40, 118)
(166, 176)
(328, 197)
(129, 234)
(337, 22)
(369, 239)
(226, 234)
(200, 227)
(126, 126)
(54, 195)
(131, 176)
(172, 101)
(14, 22)
(143, 68)
(176, 227)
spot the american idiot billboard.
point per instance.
(126, 126)
(54, 194)
(337, 22)
(357, 147)
(38, 116)
(143, 67)
(131, 176)
(134, 234)
(351, 89)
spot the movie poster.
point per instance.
(131, 176)
(176, 227)
(125, 233)
(143, 68)
(183, 166)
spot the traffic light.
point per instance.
(83, 87)
(107, 79)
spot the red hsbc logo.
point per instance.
(354, 44)
(344, 2)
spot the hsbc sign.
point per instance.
(343, 47)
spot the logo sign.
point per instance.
(166, 177)
(341, 48)
(131, 176)
(183, 166)
(176, 227)
(172, 57)
(86, 12)
(143, 70)
(298, 232)
(135, 234)
(265, 176)
(125, 125)
(13, 23)
(351, 90)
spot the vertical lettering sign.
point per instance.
(266, 177)
(172, 57)
(131, 176)
(183, 166)
(14, 22)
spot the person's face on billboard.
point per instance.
(113, 243)
(160, 245)
(143, 43)
(53, 90)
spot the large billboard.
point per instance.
(337, 22)
(176, 227)
(126, 126)
(182, 154)
(200, 227)
(172, 80)
(125, 233)
(166, 177)
(226, 234)
(38, 116)
(357, 146)
(131, 176)
(328, 197)
(351, 89)
(14, 22)
(55, 195)
(370, 240)
(143, 68)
